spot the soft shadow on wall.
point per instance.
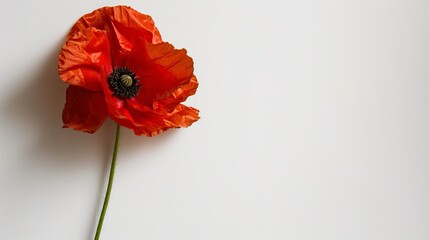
(37, 106)
(50, 155)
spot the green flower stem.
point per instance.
(109, 186)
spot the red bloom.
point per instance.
(118, 67)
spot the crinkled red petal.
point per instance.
(136, 22)
(168, 103)
(182, 116)
(84, 110)
(82, 56)
(161, 70)
(151, 123)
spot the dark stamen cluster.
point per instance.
(123, 89)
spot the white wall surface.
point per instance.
(314, 125)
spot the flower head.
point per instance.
(118, 66)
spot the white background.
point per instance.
(314, 125)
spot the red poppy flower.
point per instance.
(118, 67)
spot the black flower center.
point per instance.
(124, 83)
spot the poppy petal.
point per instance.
(123, 38)
(84, 110)
(149, 123)
(168, 103)
(137, 22)
(82, 56)
(160, 68)
(182, 116)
